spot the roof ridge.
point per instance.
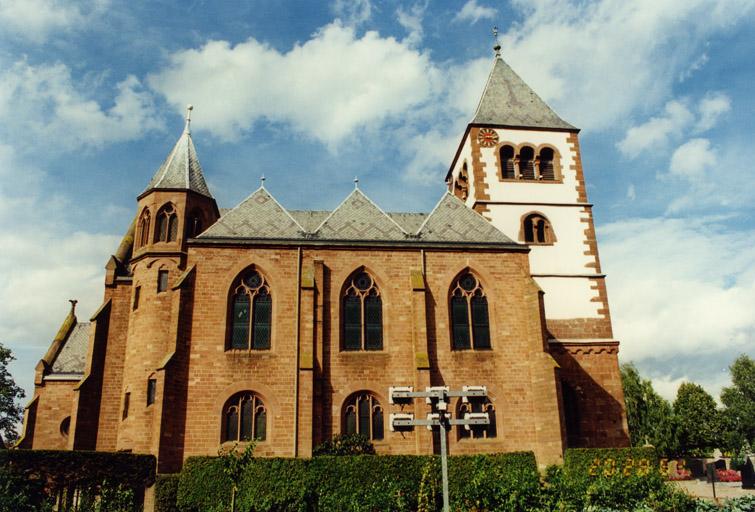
(437, 205)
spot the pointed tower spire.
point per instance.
(181, 169)
(508, 101)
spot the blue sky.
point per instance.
(310, 94)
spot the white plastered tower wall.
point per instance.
(567, 268)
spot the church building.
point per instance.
(289, 326)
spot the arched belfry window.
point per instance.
(507, 163)
(363, 414)
(527, 163)
(244, 418)
(477, 404)
(167, 224)
(362, 313)
(251, 308)
(537, 230)
(547, 172)
(470, 326)
(461, 184)
(144, 221)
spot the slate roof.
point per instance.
(508, 101)
(181, 169)
(356, 219)
(71, 358)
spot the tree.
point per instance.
(697, 420)
(649, 416)
(235, 463)
(11, 411)
(739, 402)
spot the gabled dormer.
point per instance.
(177, 204)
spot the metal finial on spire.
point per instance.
(497, 47)
(356, 182)
(73, 305)
(189, 108)
(262, 181)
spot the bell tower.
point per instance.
(519, 165)
(175, 207)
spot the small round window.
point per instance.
(363, 281)
(253, 280)
(467, 282)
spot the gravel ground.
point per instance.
(703, 489)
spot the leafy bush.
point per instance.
(166, 493)
(345, 444)
(363, 483)
(102, 480)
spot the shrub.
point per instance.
(345, 444)
(728, 475)
(102, 480)
(166, 492)
(363, 483)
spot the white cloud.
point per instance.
(692, 159)
(613, 57)
(43, 105)
(711, 108)
(35, 19)
(43, 263)
(472, 12)
(411, 21)
(680, 288)
(326, 88)
(631, 192)
(352, 12)
(656, 132)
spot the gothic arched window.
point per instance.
(507, 163)
(244, 418)
(527, 163)
(470, 327)
(144, 220)
(362, 314)
(251, 308)
(537, 230)
(167, 224)
(363, 414)
(547, 172)
(477, 405)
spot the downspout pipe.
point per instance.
(296, 361)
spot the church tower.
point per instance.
(175, 207)
(519, 165)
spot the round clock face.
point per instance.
(487, 138)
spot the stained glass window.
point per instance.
(244, 418)
(470, 326)
(362, 310)
(251, 313)
(362, 414)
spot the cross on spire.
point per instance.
(497, 47)
(189, 108)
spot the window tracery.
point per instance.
(167, 224)
(476, 404)
(244, 418)
(537, 230)
(362, 312)
(470, 326)
(363, 414)
(251, 312)
(144, 221)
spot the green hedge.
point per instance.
(104, 479)
(166, 492)
(363, 483)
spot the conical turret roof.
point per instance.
(181, 170)
(508, 101)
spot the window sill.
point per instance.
(537, 243)
(522, 180)
(357, 353)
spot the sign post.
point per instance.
(438, 399)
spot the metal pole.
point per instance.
(444, 461)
